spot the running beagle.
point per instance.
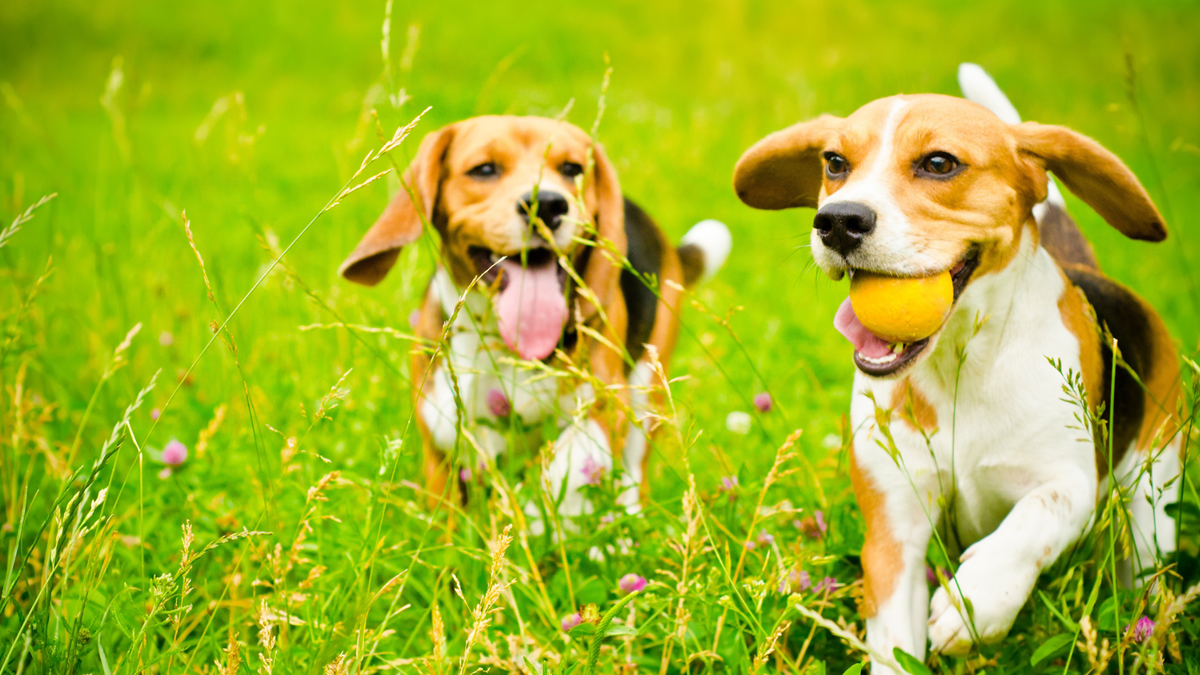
(968, 430)
(517, 237)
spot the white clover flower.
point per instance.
(738, 422)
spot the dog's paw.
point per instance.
(996, 587)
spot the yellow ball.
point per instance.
(901, 309)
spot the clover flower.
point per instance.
(763, 402)
(828, 584)
(796, 581)
(592, 471)
(814, 526)
(738, 422)
(571, 620)
(729, 486)
(498, 403)
(174, 453)
(631, 583)
(1142, 630)
(932, 575)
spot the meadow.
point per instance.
(208, 462)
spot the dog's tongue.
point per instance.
(865, 342)
(531, 309)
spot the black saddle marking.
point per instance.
(645, 254)
(1125, 316)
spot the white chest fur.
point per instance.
(1008, 464)
(1003, 427)
(478, 365)
(481, 363)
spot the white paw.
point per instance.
(997, 587)
(581, 457)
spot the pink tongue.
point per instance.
(864, 341)
(531, 309)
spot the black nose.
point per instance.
(550, 207)
(843, 226)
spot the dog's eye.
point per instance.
(570, 169)
(835, 165)
(485, 170)
(939, 164)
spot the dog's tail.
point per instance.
(703, 250)
(1058, 232)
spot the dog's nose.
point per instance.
(551, 207)
(843, 226)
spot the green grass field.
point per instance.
(293, 538)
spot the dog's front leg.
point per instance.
(999, 571)
(595, 431)
(899, 525)
(582, 456)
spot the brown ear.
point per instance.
(400, 222)
(601, 274)
(783, 170)
(1096, 176)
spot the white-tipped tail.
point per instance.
(979, 87)
(714, 241)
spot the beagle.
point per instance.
(518, 238)
(968, 430)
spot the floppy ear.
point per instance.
(1096, 176)
(783, 170)
(601, 273)
(400, 222)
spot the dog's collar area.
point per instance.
(904, 354)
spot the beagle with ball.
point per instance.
(543, 261)
(967, 429)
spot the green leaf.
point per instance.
(1107, 615)
(854, 669)
(534, 666)
(582, 630)
(1175, 509)
(618, 629)
(909, 663)
(123, 624)
(592, 591)
(1071, 625)
(1050, 647)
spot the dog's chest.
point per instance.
(996, 424)
(481, 380)
(493, 383)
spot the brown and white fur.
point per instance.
(918, 185)
(475, 183)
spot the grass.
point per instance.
(293, 539)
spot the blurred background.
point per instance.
(249, 116)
